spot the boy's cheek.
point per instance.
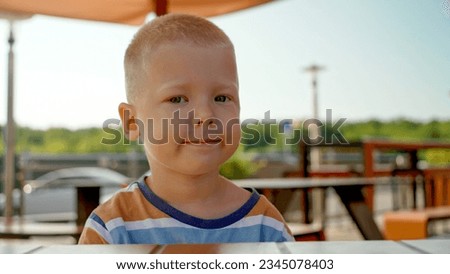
(156, 132)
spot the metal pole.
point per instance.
(315, 99)
(314, 70)
(318, 196)
(10, 131)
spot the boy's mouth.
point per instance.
(202, 141)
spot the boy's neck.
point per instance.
(207, 196)
(177, 188)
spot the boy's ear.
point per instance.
(130, 126)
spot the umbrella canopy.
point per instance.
(132, 12)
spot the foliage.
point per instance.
(256, 138)
(61, 140)
(239, 166)
(400, 129)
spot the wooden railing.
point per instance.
(415, 223)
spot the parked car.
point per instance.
(53, 196)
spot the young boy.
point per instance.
(183, 104)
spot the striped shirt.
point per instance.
(138, 216)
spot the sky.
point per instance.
(382, 60)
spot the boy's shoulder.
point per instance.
(266, 208)
(121, 203)
(129, 192)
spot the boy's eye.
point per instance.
(177, 99)
(221, 98)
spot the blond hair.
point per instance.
(165, 29)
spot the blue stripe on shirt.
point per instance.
(194, 221)
(171, 235)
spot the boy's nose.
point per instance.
(203, 114)
(200, 122)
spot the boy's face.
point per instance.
(190, 108)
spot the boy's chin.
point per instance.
(198, 171)
(196, 167)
